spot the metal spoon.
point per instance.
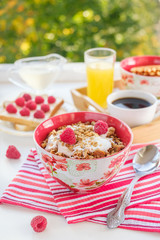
(144, 162)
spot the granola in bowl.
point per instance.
(83, 150)
(87, 140)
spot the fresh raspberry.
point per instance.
(45, 107)
(20, 101)
(39, 114)
(24, 111)
(51, 99)
(31, 105)
(39, 223)
(12, 152)
(68, 136)
(100, 127)
(27, 97)
(11, 108)
(39, 99)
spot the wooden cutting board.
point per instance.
(148, 132)
(142, 134)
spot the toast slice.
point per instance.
(31, 121)
(20, 127)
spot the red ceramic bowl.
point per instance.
(67, 171)
(139, 82)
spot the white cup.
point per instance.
(133, 117)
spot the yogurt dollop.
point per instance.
(91, 144)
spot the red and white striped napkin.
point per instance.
(34, 188)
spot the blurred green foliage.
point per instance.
(69, 27)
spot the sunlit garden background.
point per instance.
(69, 27)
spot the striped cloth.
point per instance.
(34, 188)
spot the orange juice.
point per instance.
(100, 81)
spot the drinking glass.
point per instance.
(36, 73)
(100, 70)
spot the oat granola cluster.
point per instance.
(88, 145)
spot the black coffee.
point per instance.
(132, 103)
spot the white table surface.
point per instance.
(15, 220)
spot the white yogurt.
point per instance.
(103, 144)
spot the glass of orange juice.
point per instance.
(100, 70)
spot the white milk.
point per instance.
(38, 76)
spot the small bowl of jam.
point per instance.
(134, 107)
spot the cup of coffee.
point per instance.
(134, 107)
